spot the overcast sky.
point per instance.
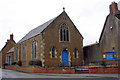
(21, 16)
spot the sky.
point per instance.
(18, 17)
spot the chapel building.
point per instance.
(55, 43)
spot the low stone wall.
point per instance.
(33, 69)
(105, 70)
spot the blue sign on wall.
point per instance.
(109, 55)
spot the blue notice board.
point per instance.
(109, 55)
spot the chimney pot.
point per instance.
(113, 8)
(11, 37)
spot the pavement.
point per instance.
(11, 75)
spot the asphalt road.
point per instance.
(15, 75)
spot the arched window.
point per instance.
(75, 53)
(17, 53)
(34, 46)
(53, 52)
(64, 32)
(24, 52)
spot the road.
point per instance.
(11, 75)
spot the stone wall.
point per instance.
(75, 41)
(92, 53)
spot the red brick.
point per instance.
(41, 70)
(105, 70)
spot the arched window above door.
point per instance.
(64, 32)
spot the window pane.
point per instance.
(34, 49)
(67, 33)
(61, 38)
(53, 52)
(75, 53)
(64, 33)
(17, 53)
(24, 53)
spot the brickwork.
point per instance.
(105, 70)
(41, 70)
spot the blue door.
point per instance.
(65, 58)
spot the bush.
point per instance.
(5, 64)
(19, 63)
(35, 63)
(14, 63)
(30, 62)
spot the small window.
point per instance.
(53, 52)
(75, 53)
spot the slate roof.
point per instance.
(97, 43)
(11, 50)
(118, 16)
(37, 30)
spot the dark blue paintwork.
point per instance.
(65, 58)
(109, 55)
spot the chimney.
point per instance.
(11, 37)
(113, 8)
